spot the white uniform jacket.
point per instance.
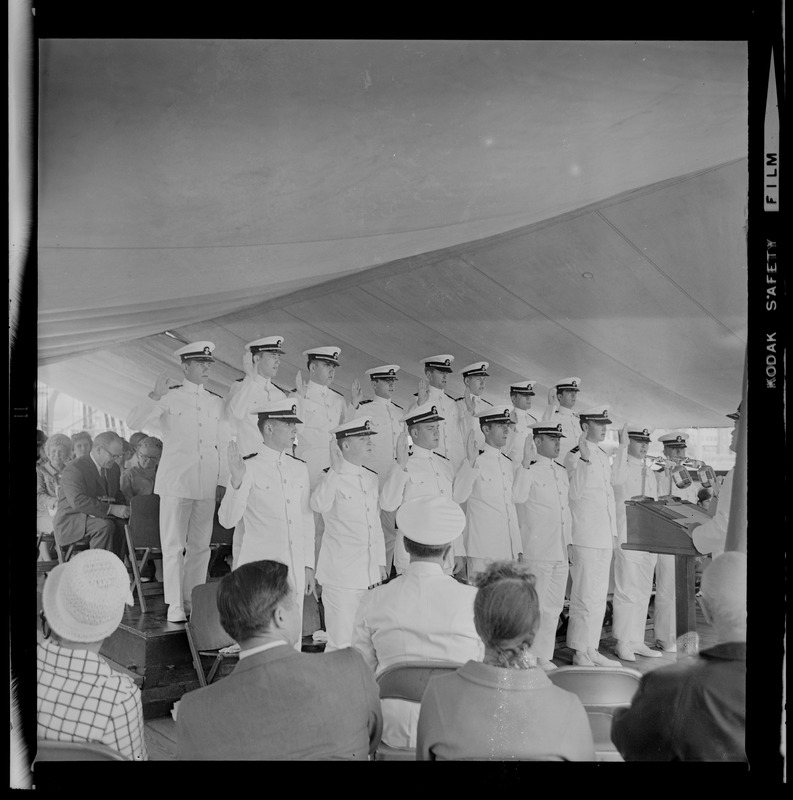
(195, 437)
(626, 477)
(591, 499)
(353, 546)
(492, 523)
(451, 441)
(711, 536)
(385, 417)
(516, 440)
(427, 474)
(468, 422)
(242, 395)
(541, 500)
(273, 501)
(321, 410)
(571, 428)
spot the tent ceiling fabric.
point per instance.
(399, 199)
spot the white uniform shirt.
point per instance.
(241, 397)
(592, 499)
(571, 428)
(468, 422)
(627, 480)
(492, 522)
(321, 410)
(516, 439)
(385, 421)
(353, 545)
(541, 500)
(711, 536)
(195, 437)
(427, 474)
(273, 500)
(421, 615)
(451, 441)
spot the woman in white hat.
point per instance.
(79, 697)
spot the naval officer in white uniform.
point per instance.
(424, 615)
(471, 403)
(432, 390)
(594, 536)
(561, 401)
(386, 418)
(633, 569)
(260, 361)
(192, 475)
(485, 481)
(520, 394)
(540, 493)
(352, 553)
(269, 490)
(423, 473)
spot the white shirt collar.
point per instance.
(421, 452)
(489, 450)
(193, 387)
(261, 648)
(318, 388)
(268, 454)
(425, 568)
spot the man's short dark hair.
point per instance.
(248, 596)
(424, 550)
(76, 437)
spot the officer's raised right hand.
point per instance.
(583, 447)
(336, 458)
(236, 465)
(529, 451)
(161, 387)
(300, 387)
(402, 450)
(248, 365)
(424, 391)
(551, 395)
(471, 449)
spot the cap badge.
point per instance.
(294, 410)
(605, 412)
(574, 383)
(645, 432)
(448, 363)
(335, 354)
(207, 351)
(391, 372)
(434, 410)
(679, 439)
(278, 342)
(559, 428)
(367, 425)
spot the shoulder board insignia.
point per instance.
(532, 463)
(601, 450)
(239, 380)
(481, 451)
(370, 470)
(399, 406)
(250, 455)
(280, 388)
(561, 465)
(363, 402)
(295, 457)
(415, 394)
(574, 449)
(532, 416)
(213, 393)
(178, 386)
(334, 390)
(486, 401)
(456, 399)
(506, 456)
(440, 455)
(326, 469)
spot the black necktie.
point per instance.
(103, 475)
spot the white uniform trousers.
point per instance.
(589, 571)
(633, 584)
(388, 521)
(550, 583)
(665, 618)
(185, 534)
(236, 543)
(341, 605)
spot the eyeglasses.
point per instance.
(114, 456)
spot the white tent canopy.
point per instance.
(555, 208)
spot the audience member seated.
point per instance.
(81, 444)
(57, 450)
(423, 614)
(79, 697)
(134, 441)
(695, 710)
(91, 507)
(139, 479)
(278, 703)
(505, 707)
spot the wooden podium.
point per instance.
(651, 527)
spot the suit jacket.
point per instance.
(283, 705)
(81, 485)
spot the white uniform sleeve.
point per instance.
(224, 436)
(362, 634)
(577, 473)
(145, 412)
(307, 522)
(458, 547)
(234, 502)
(239, 397)
(619, 469)
(324, 495)
(711, 536)
(350, 412)
(521, 486)
(550, 410)
(393, 490)
(464, 482)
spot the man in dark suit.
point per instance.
(91, 506)
(278, 704)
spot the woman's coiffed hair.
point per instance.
(248, 596)
(58, 439)
(149, 441)
(506, 607)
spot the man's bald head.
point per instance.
(723, 589)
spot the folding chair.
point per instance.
(407, 681)
(601, 690)
(76, 751)
(142, 531)
(220, 546)
(205, 634)
(43, 567)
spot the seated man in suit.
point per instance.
(91, 506)
(695, 710)
(278, 704)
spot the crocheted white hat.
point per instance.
(84, 598)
